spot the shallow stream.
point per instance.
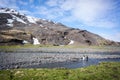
(54, 60)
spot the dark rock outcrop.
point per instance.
(13, 36)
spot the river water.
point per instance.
(54, 60)
(77, 64)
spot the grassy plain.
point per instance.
(72, 48)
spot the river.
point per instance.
(54, 60)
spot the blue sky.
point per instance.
(98, 16)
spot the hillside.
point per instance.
(17, 28)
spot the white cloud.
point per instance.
(31, 1)
(102, 24)
(91, 12)
(68, 5)
(113, 36)
(9, 4)
(25, 12)
(23, 2)
(52, 3)
(117, 37)
(49, 13)
(95, 13)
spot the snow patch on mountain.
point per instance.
(7, 10)
(25, 42)
(10, 20)
(18, 19)
(46, 28)
(71, 42)
(10, 25)
(41, 25)
(35, 41)
(32, 19)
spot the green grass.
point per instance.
(11, 47)
(51, 46)
(103, 71)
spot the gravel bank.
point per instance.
(18, 60)
(24, 57)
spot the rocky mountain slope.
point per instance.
(17, 28)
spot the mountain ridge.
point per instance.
(16, 28)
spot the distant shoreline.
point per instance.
(58, 49)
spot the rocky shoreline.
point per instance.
(29, 57)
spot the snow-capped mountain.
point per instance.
(17, 28)
(10, 17)
(7, 10)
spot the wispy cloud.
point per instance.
(31, 1)
(91, 12)
(49, 13)
(97, 13)
(25, 12)
(23, 2)
(9, 3)
(52, 3)
(114, 36)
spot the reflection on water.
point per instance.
(78, 64)
(91, 62)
